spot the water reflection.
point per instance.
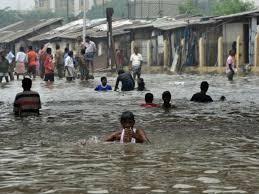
(205, 148)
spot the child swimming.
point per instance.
(128, 134)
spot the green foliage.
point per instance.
(225, 7)
(189, 7)
(99, 11)
(215, 7)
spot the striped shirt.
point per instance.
(27, 101)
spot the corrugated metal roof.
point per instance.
(20, 29)
(94, 28)
(248, 13)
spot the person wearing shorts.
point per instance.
(136, 60)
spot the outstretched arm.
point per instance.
(113, 137)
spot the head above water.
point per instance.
(26, 84)
(141, 84)
(104, 81)
(121, 71)
(127, 120)
(166, 96)
(149, 98)
(204, 86)
(222, 98)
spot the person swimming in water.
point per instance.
(149, 101)
(166, 97)
(103, 86)
(141, 85)
(201, 96)
(128, 134)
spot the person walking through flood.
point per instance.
(59, 61)
(69, 66)
(11, 60)
(128, 134)
(42, 57)
(230, 65)
(127, 82)
(84, 71)
(201, 96)
(21, 59)
(4, 66)
(90, 51)
(32, 62)
(49, 66)
(136, 63)
(149, 97)
(27, 101)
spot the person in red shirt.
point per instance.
(49, 66)
(32, 62)
(149, 101)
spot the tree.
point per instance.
(189, 7)
(225, 7)
(215, 7)
(119, 6)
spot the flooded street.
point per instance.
(196, 148)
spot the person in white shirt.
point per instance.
(11, 60)
(69, 66)
(21, 59)
(90, 50)
(136, 61)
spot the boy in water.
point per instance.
(166, 97)
(128, 134)
(141, 84)
(104, 86)
(149, 101)
(202, 96)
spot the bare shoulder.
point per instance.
(141, 136)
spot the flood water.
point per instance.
(196, 148)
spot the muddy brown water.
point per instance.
(196, 148)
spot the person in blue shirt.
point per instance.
(104, 86)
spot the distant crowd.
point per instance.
(42, 63)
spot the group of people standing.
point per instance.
(43, 63)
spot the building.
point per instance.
(17, 34)
(20, 5)
(73, 7)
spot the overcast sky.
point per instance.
(24, 4)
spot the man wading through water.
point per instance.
(90, 50)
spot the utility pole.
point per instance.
(109, 14)
(84, 22)
(67, 10)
